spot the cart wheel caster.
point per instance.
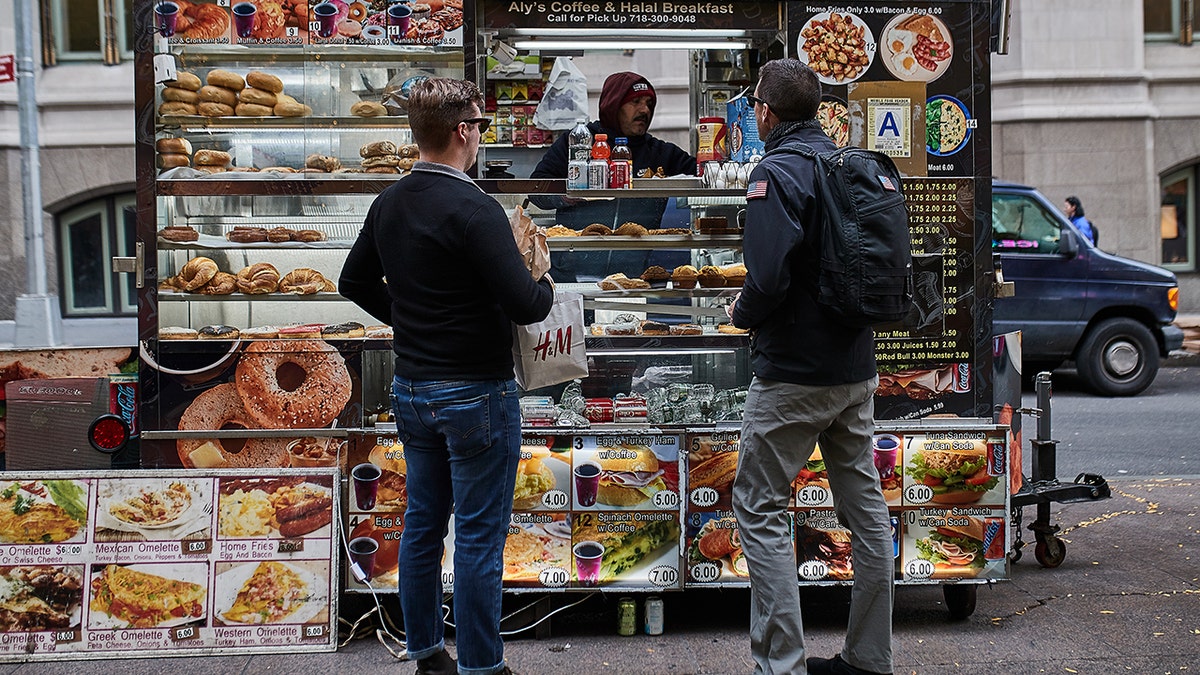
(1050, 551)
(960, 600)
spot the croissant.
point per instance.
(223, 283)
(303, 281)
(196, 272)
(258, 279)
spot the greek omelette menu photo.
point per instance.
(101, 563)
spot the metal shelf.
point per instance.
(307, 55)
(663, 241)
(235, 123)
(165, 296)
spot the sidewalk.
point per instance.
(1125, 600)
(1189, 355)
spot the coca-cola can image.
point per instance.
(993, 538)
(123, 399)
(962, 378)
(996, 462)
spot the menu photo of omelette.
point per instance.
(295, 592)
(148, 595)
(43, 511)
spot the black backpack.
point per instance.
(866, 271)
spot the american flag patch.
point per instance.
(756, 190)
(887, 183)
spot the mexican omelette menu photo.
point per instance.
(167, 561)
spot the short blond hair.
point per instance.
(436, 107)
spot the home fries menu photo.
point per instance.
(166, 562)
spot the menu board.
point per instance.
(106, 564)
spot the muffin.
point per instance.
(735, 275)
(710, 277)
(656, 276)
(684, 276)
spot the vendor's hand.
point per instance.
(731, 305)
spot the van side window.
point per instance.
(1021, 225)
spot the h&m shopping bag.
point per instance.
(552, 350)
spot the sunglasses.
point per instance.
(483, 122)
(755, 101)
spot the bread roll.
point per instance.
(322, 163)
(185, 80)
(257, 96)
(377, 149)
(171, 160)
(226, 78)
(218, 95)
(368, 109)
(292, 109)
(184, 95)
(383, 169)
(177, 108)
(212, 109)
(173, 145)
(211, 158)
(406, 163)
(408, 150)
(264, 81)
(253, 110)
(382, 160)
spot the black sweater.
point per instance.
(794, 339)
(454, 279)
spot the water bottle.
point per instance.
(578, 154)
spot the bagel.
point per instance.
(257, 97)
(179, 146)
(211, 157)
(218, 95)
(225, 78)
(172, 160)
(196, 272)
(292, 109)
(253, 110)
(264, 81)
(213, 109)
(185, 80)
(266, 381)
(357, 12)
(368, 109)
(177, 108)
(181, 95)
(221, 408)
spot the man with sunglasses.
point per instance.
(814, 381)
(436, 260)
(627, 103)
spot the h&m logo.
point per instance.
(554, 342)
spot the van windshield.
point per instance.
(1022, 225)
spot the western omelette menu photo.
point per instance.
(102, 564)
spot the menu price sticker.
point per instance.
(704, 497)
(67, 636)
(181, 633)
(315, 632)
(705, 572)
(195, 546)
(554, 577)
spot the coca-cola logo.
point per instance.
(996, 459)
(962, 377)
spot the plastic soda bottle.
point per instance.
(598, 166)
(620, 165)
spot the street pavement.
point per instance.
(1125, 600)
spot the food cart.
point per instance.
(266, 128)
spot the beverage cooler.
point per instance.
(265, 130)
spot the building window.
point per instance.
(87, 30)
(89, 236)
(1178, 220)
(1170, 20)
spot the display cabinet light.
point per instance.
(626, 44)
(668, 33)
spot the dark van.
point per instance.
(1111, 315)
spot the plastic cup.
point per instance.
(366, 484)
(886, 446)
(362, 553)
(243, 18)
(165, 16)
(587, 483)
(587, 561)
(326, 14)
(399, 14)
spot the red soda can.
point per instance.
(996, 461)
(123, 399)
(993, 538)
(962, 378)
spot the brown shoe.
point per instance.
(440, 663)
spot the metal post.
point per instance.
(38, 322)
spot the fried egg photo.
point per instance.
(905, 65)
(900, 41)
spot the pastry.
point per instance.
(349, 27)
(384, 169)
(258, 97)
(308, 235)
(258, 279)
(343, 331)
(596, 229)
(656, 276)
(735, 275)
(322, 162)
(684, 276)
(222, 283)
(247, 235)
(710, 277)
(292, 109)
(278, 235)
(560, 231)
(253, 110)
(185, 80)
(308, 330)
(302, 281)
(211, 158)
(686, 329)
(176, 333)
(179, 233)
(218, 333)
(621, 329)
(368, 109)
(195, 273)
(379, 332)
(630, 230)
(654, 328)
(264, 81)
(408, 150)
(242, 169)
(260, 333)
(731, 329)
(218, 95)
(382, 160)
(377, 149)
(618, 281)
(225, 78)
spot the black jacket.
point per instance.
(794, 339)
(455, 282)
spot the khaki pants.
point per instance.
(782, 421)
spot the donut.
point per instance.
(219, 333)
(260, 333)
(221, 408)
(292, 384)
(349, 28)
(357, 12)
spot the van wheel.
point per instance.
(1118, 357)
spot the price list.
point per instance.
(941, 214)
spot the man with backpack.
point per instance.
(814, 380)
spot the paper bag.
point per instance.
(565, 99)
(552, 350)
(531, 243)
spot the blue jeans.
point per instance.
(462, 441)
